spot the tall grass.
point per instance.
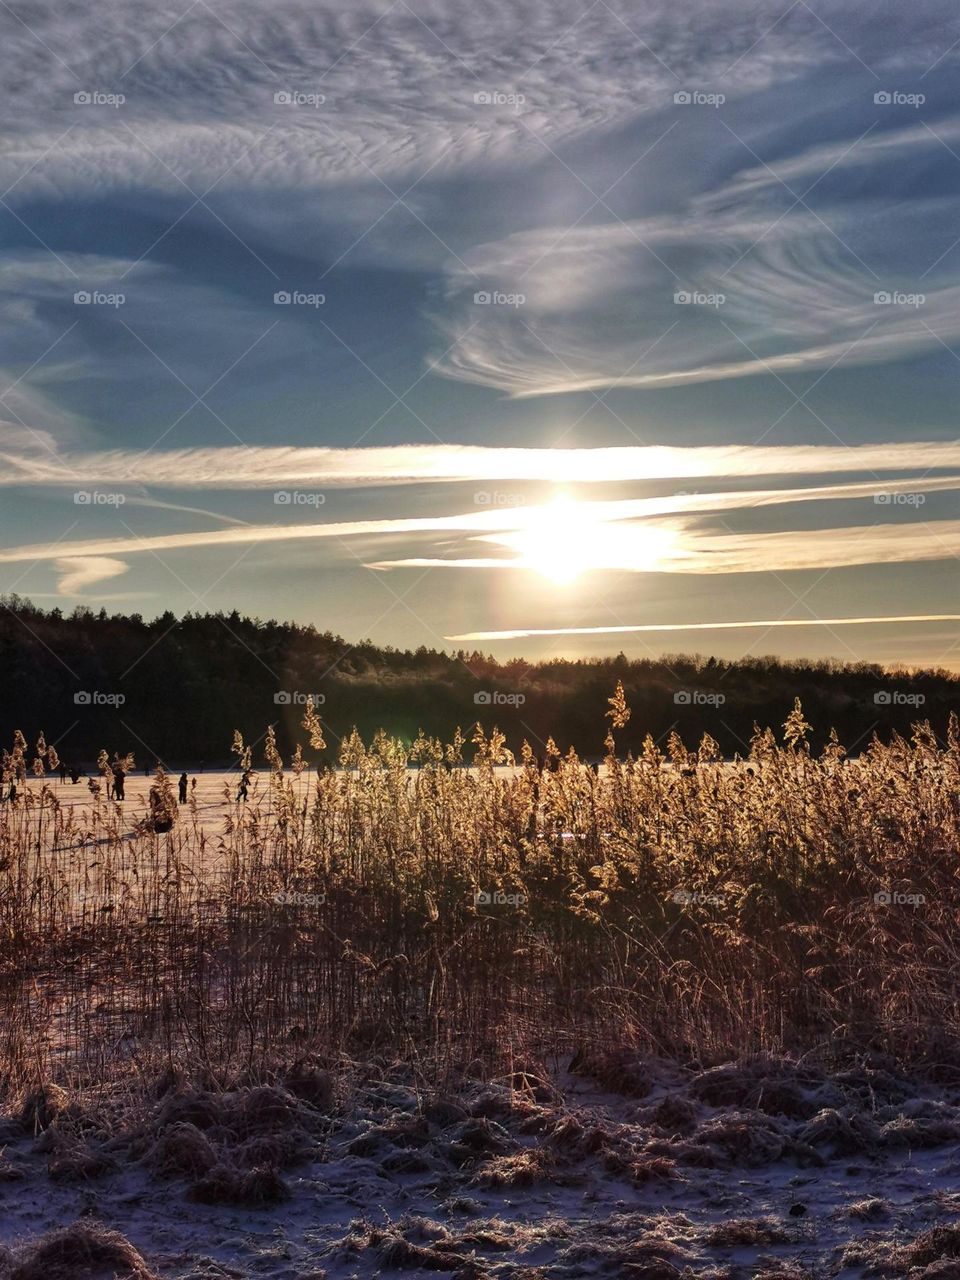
(685, 905)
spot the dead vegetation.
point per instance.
(873, 1209)
(182, 1150)
(226, 1184)
(336, 993)
(343, 917)
(750, 1232)
(83, 1251)
(521, 1170)
(229, 1143)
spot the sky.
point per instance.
(548, 327)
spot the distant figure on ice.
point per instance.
(74, 775)
(63, 772)
(244, 786)
(119, 777)
(183, 788)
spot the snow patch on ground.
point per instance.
(617, 1167)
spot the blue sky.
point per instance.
(600, 316)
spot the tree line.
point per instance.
(175, 689)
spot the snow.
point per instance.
(587, 1211)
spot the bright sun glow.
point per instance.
(566, 538)
(558, 543)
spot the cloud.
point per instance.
(619, 537)
(80, 572)
(766, 624)
(499, 187)
(27, 464)
(880, 147)
(664, 302)
(398, 79)
(626, 548)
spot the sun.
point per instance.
(564, 539)
(557, 542)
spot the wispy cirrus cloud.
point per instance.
(29, 463)
(621, 535)
(877, 148)
(626, 548)
(581, 185)
(745, 624)
(78, 572)
(723, 293)
(398, 81)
